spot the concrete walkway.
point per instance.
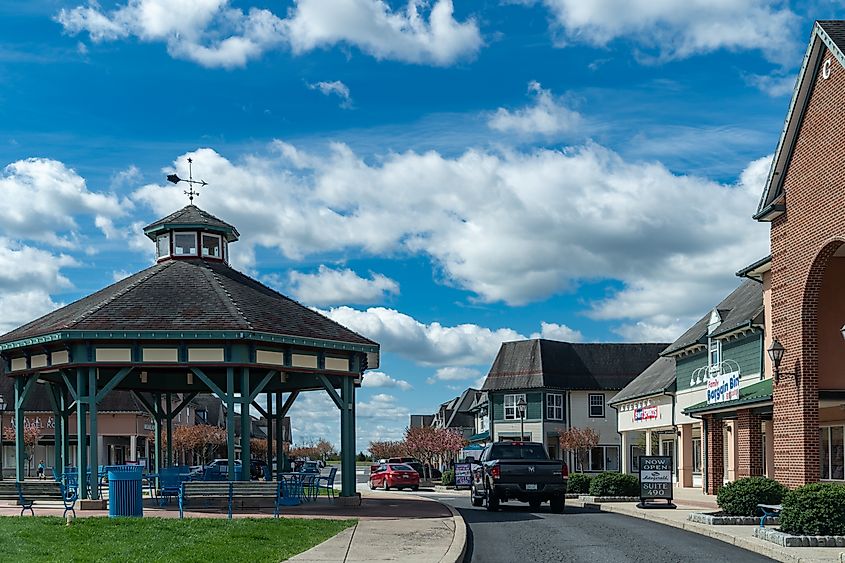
(740, 536)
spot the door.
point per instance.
(667, 448)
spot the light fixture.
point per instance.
(143, 377)
(190, 378)
(776, 352)
(283, 376)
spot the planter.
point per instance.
(599, 500)
(788, 540)
(719, 519)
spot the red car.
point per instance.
(396, 475)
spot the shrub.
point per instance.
(814, 510)
(614, 485)
(741, 497)
(448, 477)
(579, 483)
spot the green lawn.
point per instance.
(205, 540)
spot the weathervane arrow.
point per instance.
(190, 192)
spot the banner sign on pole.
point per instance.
(723, 387)
(655, 481)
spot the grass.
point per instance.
(201, 540)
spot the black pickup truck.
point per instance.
(519, 471)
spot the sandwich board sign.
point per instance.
(655, 482)
(463, 475)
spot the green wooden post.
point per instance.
(246, 426)
(270, 436)
(81, 432)
(347, 436)
(157, 428)
(20, 447)
(280, 445)
(230, 421)
(92, 425)
(168, 414)
(56, 402)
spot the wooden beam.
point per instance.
(185, 400)
(210, 384)
(26, 389)
(288, 404)
(69, 386)
(254, 392)
(261, 411)
(113, 382)
(330, 390)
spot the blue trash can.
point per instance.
(125, 491)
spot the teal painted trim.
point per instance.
(94, 449)
(210, 384)
(70, 387)
(260, 387)
(330, 390)
(146, 404)
(25, 392)
(262, 412)
(230, 422)
(188, 335)
(283, 411)
(113, 382)
(246, 428)
(153, 233)
(185, 402)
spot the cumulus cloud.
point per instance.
(677, 29)
(775, 85)
(334, 88)
(42, 198)
(452, 373)
(330, 286)
(381, 379)
(554, 331)
(215, 34)
(546, 117)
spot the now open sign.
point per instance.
(655, 481)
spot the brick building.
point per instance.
(803, 200)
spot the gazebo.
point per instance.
(189, 324)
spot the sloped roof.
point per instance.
(538, 363)
(659, 377)
(743, 306)
(461, 405)
(191, 215)
(192, 295)
(826, 33)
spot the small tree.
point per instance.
(387, 449)
(424, 444)
(258, 448)
(579, 441)
(31, 436)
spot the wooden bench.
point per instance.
(216, 490)
(28, 493)
(769, 510)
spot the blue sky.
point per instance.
(438, 177)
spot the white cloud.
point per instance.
(42, 197)
(427, 344)
(554, 331)
(215, 34)
(546, 116)
(452, 373)
(677, 29)
(381, 379)
(328, 286)
(775, 85)
(375, 28)
(334, 88)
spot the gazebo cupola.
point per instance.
(191, 233)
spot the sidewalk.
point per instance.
(739, 536)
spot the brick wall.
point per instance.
(803, 240)
(715, 454)
(750, 440)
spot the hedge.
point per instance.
(448, 477)
(741, 497)
(579, 483)
(614, 485)
(814, 510)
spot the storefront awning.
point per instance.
(480, 437)
(760, 392)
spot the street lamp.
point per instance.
(776, 352)
(2, 449)
(520, 407)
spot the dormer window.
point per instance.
(163, 246)
(184, 244)
(211, 246)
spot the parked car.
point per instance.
(519, 471)
(310, 467)
(415, 464)
(394, 475)
(219, 468)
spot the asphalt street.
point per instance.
(515, 533)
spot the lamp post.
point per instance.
(2, 449)
(776, 352)
(520, 407)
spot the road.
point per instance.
(517, 534)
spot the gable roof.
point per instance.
(742, 307)
(193, 216)
(659, 377)
(461, 405)
(826, 33)
(192, 295)
(538, 363)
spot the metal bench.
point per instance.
(215, 490)
(29, 493)
(769, 510)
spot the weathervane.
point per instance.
(190, 192)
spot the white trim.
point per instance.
(158, 238)
(515, 400)
(219, 245)
(177, 234)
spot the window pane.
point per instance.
(837, 449)
(636, 452)
(612, 458)
(824, 451)
(210, 246)
(163, 246)
(597, 459)
(696, 455)
(185, 244)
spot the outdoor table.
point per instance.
(297, 481)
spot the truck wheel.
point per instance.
(557, 504)
(476, 500)
(535, 504)
(492, 501)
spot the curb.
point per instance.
(771, 551)
(458, 548)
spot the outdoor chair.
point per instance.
(170, 481)
(309, 486)
(326, 483)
